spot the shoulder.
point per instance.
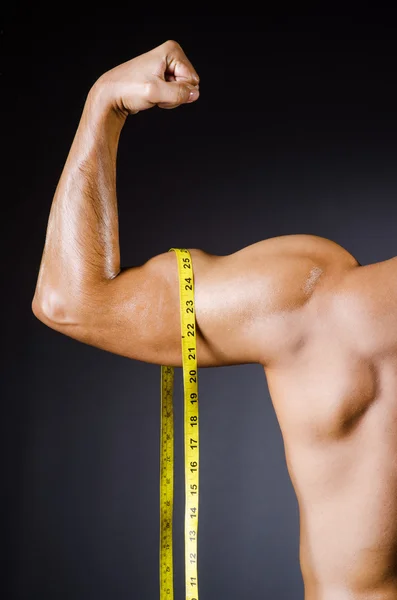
(308, 246)
(297, 245)
(297, 257)
(265, 289)
(279, 272)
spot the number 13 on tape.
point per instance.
(191, 442)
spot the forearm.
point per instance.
(81, 251)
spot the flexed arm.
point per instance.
(81, 252)
(248, 304)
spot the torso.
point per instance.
(335, 396)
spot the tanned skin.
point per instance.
(323, 327)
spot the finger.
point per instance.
(172, 94)
(178, 64)
(182, 71)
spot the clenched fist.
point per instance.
(164, 77)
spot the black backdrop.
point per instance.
(294, 132)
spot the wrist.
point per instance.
(99, 105)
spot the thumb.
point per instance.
(175, 93)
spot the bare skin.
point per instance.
(323, 327)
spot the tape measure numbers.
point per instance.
(191, 442)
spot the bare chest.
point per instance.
(324, 393)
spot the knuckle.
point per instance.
(171, 45)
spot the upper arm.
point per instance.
(248, 308)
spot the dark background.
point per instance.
(294, 132)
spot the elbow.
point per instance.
(36, 308)
(51, 309)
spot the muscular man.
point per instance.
(323, 327)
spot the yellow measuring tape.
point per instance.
(191, 434)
